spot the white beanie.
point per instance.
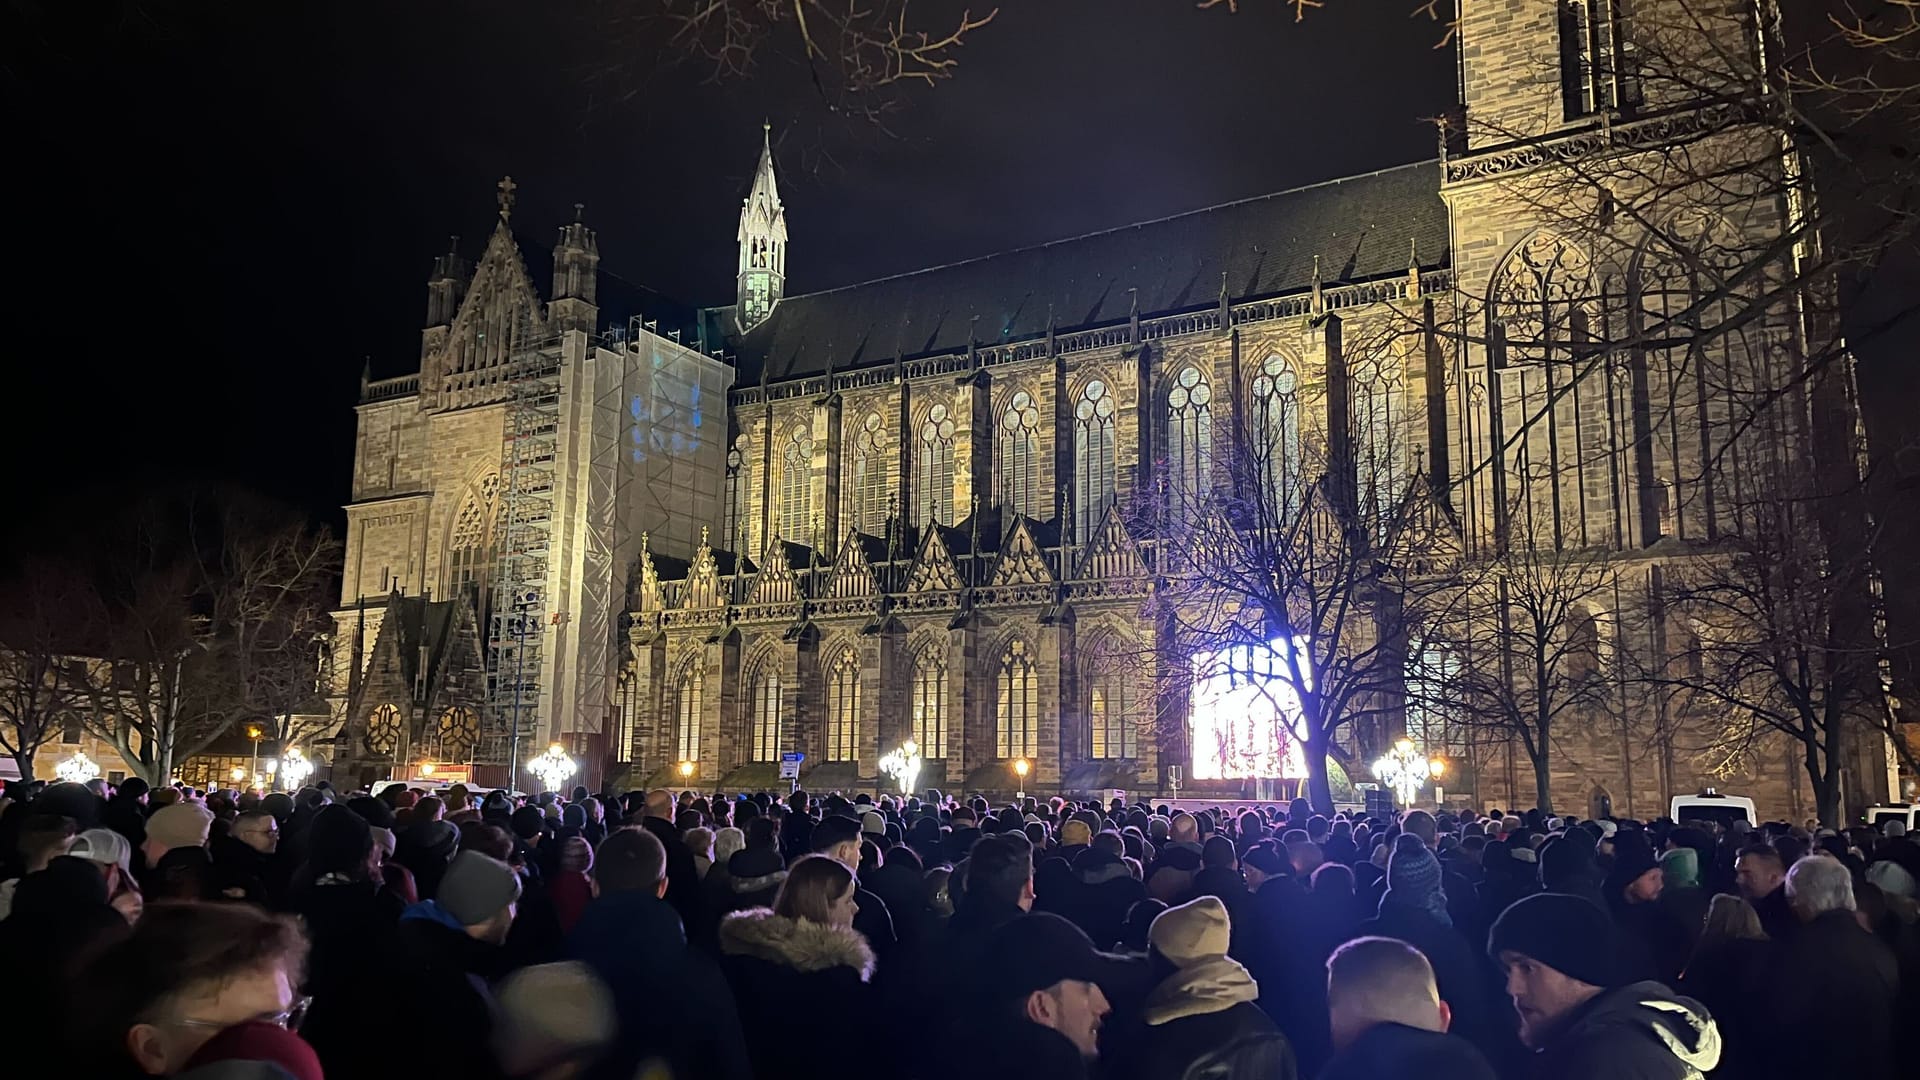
(1894, 827)
(1891, 877)
(1194, 931)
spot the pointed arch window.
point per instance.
(929, 702)
(764, 706)
(1093, 480)
(688, 707)
(1017, 709)
(843, 707)
(740, 496)
(1380, 413)
(623, 717)
(1276, 437)
(866, 493)
(1189, 441)
(1112, 699)
(473, 551)
(933, 481)
(1019, 462)
(796, 486)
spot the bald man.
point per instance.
(1388, 1019)
(683, 879)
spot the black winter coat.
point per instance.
(347, 927)
(1463, 973)
(1833, 976)
(1395, 1050)
(671, 1000)
(683, 879)
(1725, 976)
(452, 1012)
(1641, 1031)
(1237, 1043)
(786, 975)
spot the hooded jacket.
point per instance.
(1640, 1031)
(786, 974)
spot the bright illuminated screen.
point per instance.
(1246, 715)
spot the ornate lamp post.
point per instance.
(1404, 769)
(552, 767)
(294, 767)
(1020, 767)
(903, 765)
(686, 772)
(254, 732)
(77, 769)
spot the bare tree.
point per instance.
(1515, 650)
(209, 614)
(37, 631)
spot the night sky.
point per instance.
(220, 208)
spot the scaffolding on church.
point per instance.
(517, 628)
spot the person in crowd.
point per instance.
(60, 914)
(803, 949)
(1170, 878)
(186, 973)
(1414, 910)
(554, 1021)
(1582, 1018)
(1682, 894)
(1103, 889)
(1656, 941)
(839, 838)
(427, 846)
(1730, 961)
(1040, 1005)
(243, 859)
(254, 1048)
(673, 1006)
(178, 865)
(112, 857)
(1831, 974)
(42, 838)
(1388, 1019)
(1200, 1018)
(699, 841)
(349, 920)
(571, 887)
(1761, 877)
(683, 880)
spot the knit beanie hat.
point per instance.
(551, 1013)
(1074, 831)
(476, 887)
(1414, 879)
(1892, 878)
(1680, 868)
(873, 824)
(1566, 933)
(338, 842)
(180, 825)
(1194, 931)
(280, 805)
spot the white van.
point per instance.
(1905, 813)
(1710, 805)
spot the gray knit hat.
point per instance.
(476, 887)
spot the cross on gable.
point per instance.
(507, 188)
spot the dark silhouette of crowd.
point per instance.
(169, 932)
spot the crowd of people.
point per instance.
(162, 931)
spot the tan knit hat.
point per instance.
(1075, 832)
(1195, 931)
(184, 824)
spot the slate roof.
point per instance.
(1362, 228)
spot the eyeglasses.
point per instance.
(290, 1018)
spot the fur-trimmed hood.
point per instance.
(796, 943)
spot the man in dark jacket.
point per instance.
(243, 860)
(838, 838)
(683, 879)
(1388, 1018)
(1761, 877)
(1040, 1006)
(1832, 972)
(1103, 891)
(672, 1002)
(448, 947)
(1582, 1018)
(1415, 910)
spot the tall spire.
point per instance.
(763, 242)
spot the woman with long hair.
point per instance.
(793, 963)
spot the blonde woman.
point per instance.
(1732, 958)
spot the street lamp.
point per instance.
(903, 765)
(552, 767)
(1020, 767)
(294, 767)
(77, 769)
(254, 731)
(686, 772)
(237, 773)
(1404, 769)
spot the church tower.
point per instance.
(763, 243)
(576, 274)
